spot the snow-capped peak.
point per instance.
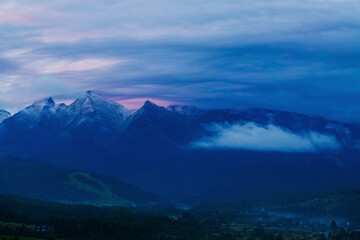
(42, 103)
(39, 109)
(93, 101)
(92, 106)
(47, 104)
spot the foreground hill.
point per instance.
(36, 180)
(187, 154)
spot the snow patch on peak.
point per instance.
(95, 96)
(94, 107)
(45, 108)
(186, 110)
(96, 101)
(43, 102)
(47, 104)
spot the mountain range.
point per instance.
(184, 153)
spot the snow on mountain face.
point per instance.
(4, 115)
(93, 111)
(186, 110)
(94, 107)
(40, 109)
(89, 108)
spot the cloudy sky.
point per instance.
(298, 55)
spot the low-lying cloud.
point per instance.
(251, 136)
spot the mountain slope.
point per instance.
(153, 148)
(4, 115)
(93, 107)
(36, 180)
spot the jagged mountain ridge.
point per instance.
(89, 107)
(150, 147)
(92, 108)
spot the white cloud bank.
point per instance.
(264, 138)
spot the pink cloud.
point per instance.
(15, 18)
(51, 65)
(56, 35)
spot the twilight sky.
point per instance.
(297, 55)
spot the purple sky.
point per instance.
(300, 55)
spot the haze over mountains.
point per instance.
(185, 153)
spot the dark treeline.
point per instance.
(20, 217)
(90, 222)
